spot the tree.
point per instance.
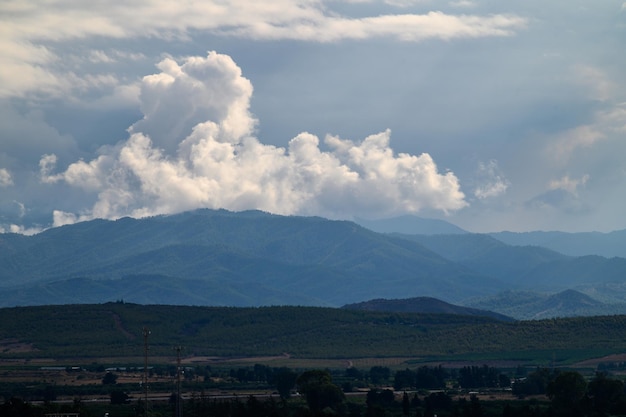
(404, 379)
(16, 407)
(354, 373)
(566, 392)
(284, 380)
(49, 394)
(319, 391)
(379, 374)
(119, 397)
(430, 377)
(535, 383)
(380, 397)
(406, 404)
(109, 379)
(605, 394)
(437, 401)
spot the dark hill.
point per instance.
(84, 334)
(424, 305)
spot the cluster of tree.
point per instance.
(572, 395)
(428, 377)
(322, 398)
(611, 366)
(568, 392)
(17, 407)
(424, 377)
(377, 375)
(483, 377)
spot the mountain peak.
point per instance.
(428, 305)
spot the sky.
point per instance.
(490, 115)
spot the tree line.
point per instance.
(420, 392)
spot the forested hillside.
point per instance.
(222, 258)
(115, 330)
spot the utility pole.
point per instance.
(179, 399)
(146, 333)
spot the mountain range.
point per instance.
(611, 244)
(218, 257)
(252, 258)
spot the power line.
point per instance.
(146, 333)
(179, 399)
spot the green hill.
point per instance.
(423, 305)
(114, 330)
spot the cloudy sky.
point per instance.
(491, 115)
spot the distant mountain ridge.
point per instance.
(243, 259)
(252, 258)
(411, 225)
(423, 305)
(609, 245)
(529, 267)
(527, 305)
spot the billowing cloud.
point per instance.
(30, 32)
(570, 141)
(563, 194)
(5, 178)
(195, 147)
(568, 184)
(491, 181)
(16, 228)
(600, 86)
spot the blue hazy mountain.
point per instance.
(609, 245)
(411, 225)
(252, 258)
(219, 257)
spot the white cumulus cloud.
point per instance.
(566, 143)
(568, 184)
(5, 178)
(195, 147)
(492, 182)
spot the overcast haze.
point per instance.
(490, 115)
